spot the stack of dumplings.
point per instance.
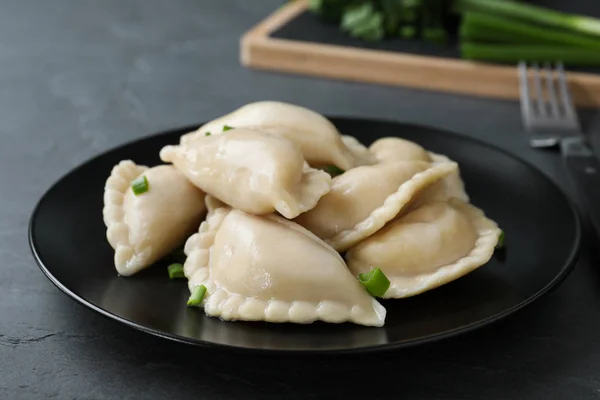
(270, 233)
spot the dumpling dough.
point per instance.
(252, 171)
(316, 136)
(433, 245)
(392, 149)
(266, 268)
(363, 199)
(143, 229)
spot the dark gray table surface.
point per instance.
(80, 77)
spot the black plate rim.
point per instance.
(558, 279)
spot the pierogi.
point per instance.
(144, 228)
(319, 140)
(269, 235)
(271, 269)
(428, 247)
(252, 171)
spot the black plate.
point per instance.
(67, 237)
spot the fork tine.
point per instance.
(537, 84)
(551, 90)
(526, 109)
(565, 94)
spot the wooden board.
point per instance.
(422, 68)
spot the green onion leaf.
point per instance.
(375, 282)
(500, 244)
(207, 134)
(333, 170)
(175, 271)
(197, 296)
(139, 185)
(227, 128)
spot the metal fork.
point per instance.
(551, 119)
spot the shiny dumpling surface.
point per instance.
(317, 137)
(392, 149)
(428, 247)
(363, 199)
(251, 170)
(267, 268)
(143, 229)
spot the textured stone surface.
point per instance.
(80, 77)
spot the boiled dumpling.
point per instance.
(144, 228)
(267, 268)
(363, 199)
(316, 136)
(252, 171)
(392, 149)
(428, 247)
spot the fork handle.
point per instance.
(585, 173)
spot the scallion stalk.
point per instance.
(477, 26)
(511, 53)
(532, 13)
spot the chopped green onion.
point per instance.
(333, 170)
(197, 296)
(207, 134)
(500, 244)
(139, 185)
(227, 128)
(375, 282)
(175, 271)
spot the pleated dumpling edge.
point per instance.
(372, 252)
(247, 279)
(144, 228)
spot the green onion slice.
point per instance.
(197, 296)
(139, 185)
(175, 271)
(227, 128)
(500, 244)
(375, 282)
(207, 134)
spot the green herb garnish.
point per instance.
(197, 296)
(207, 134)
(375, 282)
(227, 128)
(140, 185)
(175, 271)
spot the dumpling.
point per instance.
(392, 149)
(146, 227)
(428, 247)
(267, 268)
(316, 136)
(252, 171)
(363, 199)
